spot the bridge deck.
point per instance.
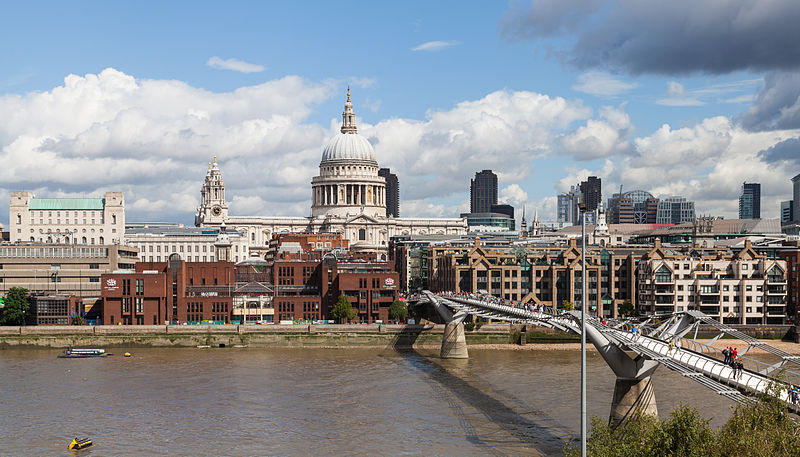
(707, 371)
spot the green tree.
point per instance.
(763, 428)
(78, 320)
(568, 305)
(626, 308)
(343, 309)
(398, 311)
(16, 307)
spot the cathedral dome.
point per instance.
(348, 146)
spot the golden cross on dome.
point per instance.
(215, 159)
(348, 94)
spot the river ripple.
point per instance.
(243, 402)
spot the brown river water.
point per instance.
(254, 402)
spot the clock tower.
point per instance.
(213, 208)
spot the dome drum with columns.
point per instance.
(348, 197)
(348, 181)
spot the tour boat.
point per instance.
(79, 353)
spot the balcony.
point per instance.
(775, 280)
(776, 310)
(776, 290)
(661, 290)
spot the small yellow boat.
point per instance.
(80, 443)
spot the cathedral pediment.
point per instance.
(362, 219)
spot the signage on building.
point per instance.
(111, 284)
(388, 283)
(209, 294)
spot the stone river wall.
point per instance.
(381, 335)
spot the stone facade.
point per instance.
(67, 220)
(348, 197)
(741, 288)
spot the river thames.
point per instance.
(247, 401)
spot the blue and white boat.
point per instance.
(80, 353)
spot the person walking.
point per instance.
(739, 369)
(734, 354)
(727, 353)
(671, 347)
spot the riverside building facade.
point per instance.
(99, 220)
(348, 197)
(736, 288)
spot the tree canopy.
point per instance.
(343, 309)
(759, 429)
(398, 311)
(16, 307)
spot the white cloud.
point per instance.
(513, 195)
(706, 163)
(435, 45)
(602, 84)
(235, 65)
(599, 137)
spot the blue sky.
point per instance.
(538, 91)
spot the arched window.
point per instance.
(102, 241)
(19, 218)
(113, 218)
(83, 240)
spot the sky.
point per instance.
(689, 100)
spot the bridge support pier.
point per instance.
(454, 344)
(632, 397)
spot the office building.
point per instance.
(675, 210)
(633, 207)
(591, 192)
(59, 269)
(568, 206)
(483, 192)
(392, 192)
(796, 199)
(750, 201)
(787, 207)
(67, 220)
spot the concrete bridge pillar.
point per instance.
(632, 397)
(454, 344)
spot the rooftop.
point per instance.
(67, 203)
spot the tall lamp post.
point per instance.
(582, 208)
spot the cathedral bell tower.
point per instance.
(213, 208)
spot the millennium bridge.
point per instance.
(633, 356)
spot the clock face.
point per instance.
(216, 210)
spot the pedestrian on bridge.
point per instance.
(739, 369)
(794, 395)
(734, 353)
(727, 353)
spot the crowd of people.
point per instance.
(486, 298)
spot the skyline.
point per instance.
(442, 91)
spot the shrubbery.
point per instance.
(761, 429)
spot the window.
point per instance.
(362, 234)
(663, 274)
(94, 279)
(94, 266)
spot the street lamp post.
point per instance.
(582, 207)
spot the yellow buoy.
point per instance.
(80, 443)
(127, 354)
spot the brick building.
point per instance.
(174, 291)
(53, 309)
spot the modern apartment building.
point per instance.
(741, 288)
(547, 275)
